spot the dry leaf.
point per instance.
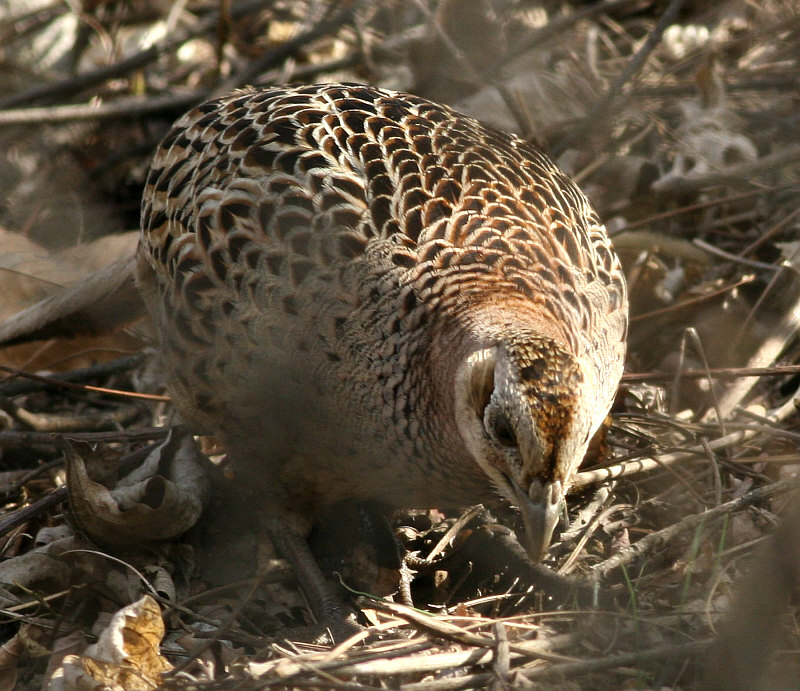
(71, 299)
(68, 641)
(10, 654)
(27, 273)
(96, 304)
(26, 644)
(126, 657)
(38, 570)
(160, 500)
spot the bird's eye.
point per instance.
(504, 432)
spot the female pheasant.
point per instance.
(369, 296)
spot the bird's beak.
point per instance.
(540, 507)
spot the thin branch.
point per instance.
(716, 373)
(601, 108)
(742, 173)
(68, 87)
(654, 541)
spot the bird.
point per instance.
(368, 296)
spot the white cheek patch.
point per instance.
(483, 355)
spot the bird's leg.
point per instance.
(325, 604)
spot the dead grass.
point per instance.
(684, 133)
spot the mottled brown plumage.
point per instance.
(366, 295)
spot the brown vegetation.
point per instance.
(679, 120)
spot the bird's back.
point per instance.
(313, 255)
